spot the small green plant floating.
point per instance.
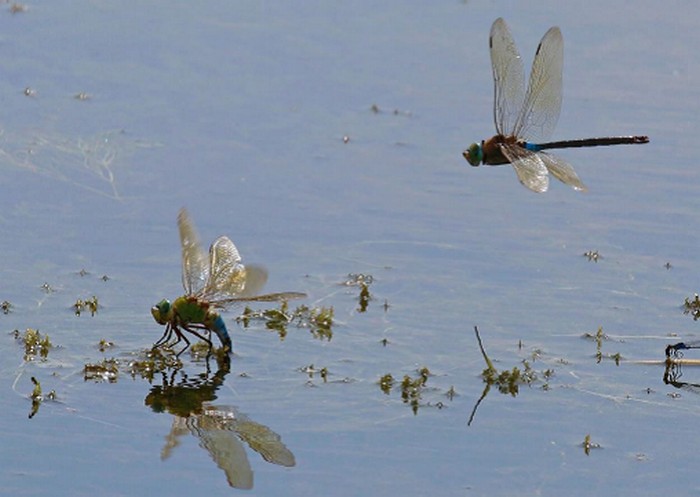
(692, 307)
(37, 397)
(365, 297)
(90, 305)
(312, 371)
(592, 255)
(599, 337)
(588, 445)
(155, 361)
(6, 307)
(106, 370)
(508, 381)
(34, 343)
(412, 387)
(319, 320)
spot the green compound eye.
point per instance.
(160, 311)
(474, 154)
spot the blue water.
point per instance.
(257, 117)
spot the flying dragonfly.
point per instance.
(212, 282)
(521, 116)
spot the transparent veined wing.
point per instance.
(562, 170)
(255, 279)
(195, 263)
(508, 78)
(230, 281)
(531, 170)
(227, 276)
(540, 110)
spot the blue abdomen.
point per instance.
(534, 147)
(221, 331)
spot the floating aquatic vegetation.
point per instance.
(313, 371)
(588, 445)
(396, 112)
(365, 297)
(154, 361)
(508, 381)
(357, 279)
(37, 397)
(692, 307)
(90, 304)
(104, 344)
(105, 370)
(599, 337)
(34, 343)
(318, 320)
(592, 255)
(412, 387)
(6, 307)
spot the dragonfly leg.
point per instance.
(181, 336)
(195, 330)
(165, 338)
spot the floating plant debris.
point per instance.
(34, 343)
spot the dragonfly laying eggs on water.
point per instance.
(522, 115)
(214, 281)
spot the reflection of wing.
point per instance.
(224, 447)
(195, 264)
(540, 111)
(508, 78)
(265, 442)
(178, 429)
(218, 430)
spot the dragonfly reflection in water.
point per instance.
(521, 116)
(220, 430)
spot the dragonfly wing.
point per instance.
(540, 112)
(195, 264)
(268, 297)
(562, 170)
(227, 275)
(530, 169)
(255, 279)
(508, 78)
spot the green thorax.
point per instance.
(188, 309)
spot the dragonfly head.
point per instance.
(162, 311)
(474, 154)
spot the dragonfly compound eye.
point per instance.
(160, 311)
(474, 154)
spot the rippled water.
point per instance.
(258, 117)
